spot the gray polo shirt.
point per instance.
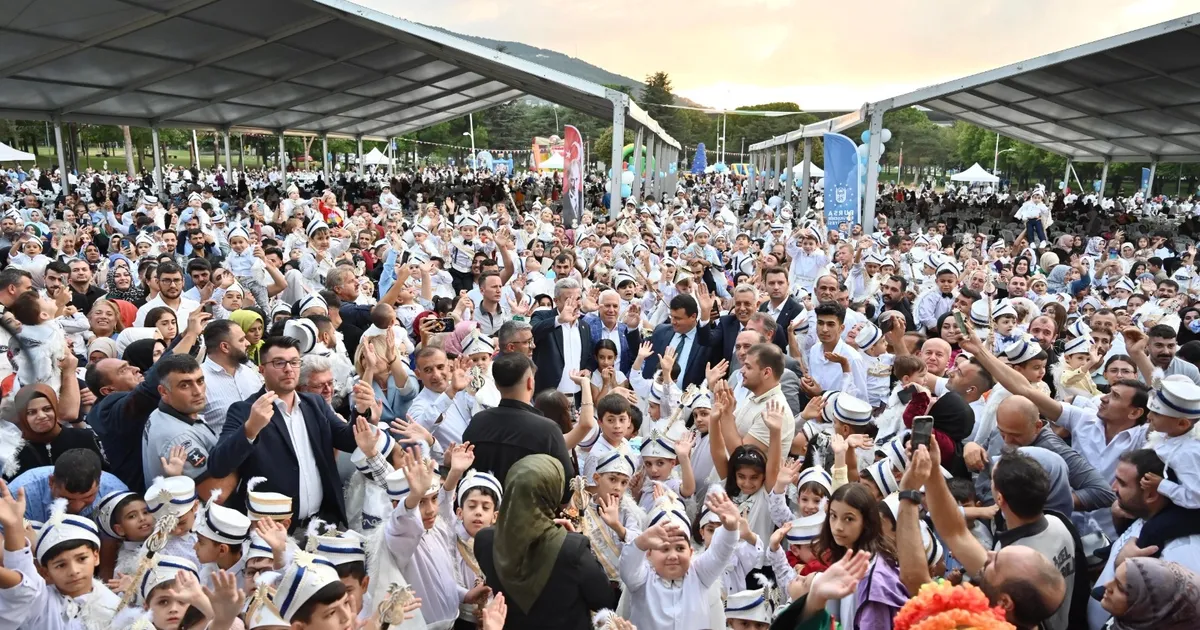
(1052, 539)
(166, 429)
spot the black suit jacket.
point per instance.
(505, 434)
(693, 372)
(791, 308)
(548, 349)
(272, 456)
(723, 338)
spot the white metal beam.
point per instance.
(457, 72)
(418, 103)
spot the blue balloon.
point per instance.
(866, 136)
(862, 159)
(878, 168)
(626, 190)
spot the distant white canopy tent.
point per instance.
(813, 170)
(553, 163)
(374, 158)
(9, 154)
(975, 175)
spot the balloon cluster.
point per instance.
(864, 155)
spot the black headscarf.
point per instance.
(953, 416)
(140, 353)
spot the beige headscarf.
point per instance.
(527, 540)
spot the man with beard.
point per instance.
(170, 285)
(228, 374)
(894, 299)
(10, 231)
(781, 306)
(1146, 507)
(1019, 577)
(1162, 348)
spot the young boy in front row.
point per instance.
(679, 597)
(612, 519)
(221, 535)
(66, 595)
(175, 497)
(124, 516)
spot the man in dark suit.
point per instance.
(562, 340)
(605, 323)
(725, 330)
(688, 335)
(780, 305)
(288, 437)
(513, 429)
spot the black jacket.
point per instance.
(577, 586)
(119, 420)
(272, 456)
(512, 430)
(548, 351)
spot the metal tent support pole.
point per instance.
(791, 176)
(775, 175)
(1104, 177)
(1067, 175)
(360, 157)
(62, 158)
(618, 139)
(639, 164)
(806, 176)
(228, 161)
(325, 158)
(871, 191)
(158, 187)
(282, 162)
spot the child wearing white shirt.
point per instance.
(678, 599)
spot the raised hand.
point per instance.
(716, 372)
(492, 616)
(260, 414)
(789, 473)
(843, 577)
(666, 362)
(364, 398)
(225, 598)
(462, 457)
(187, 589)
(610, 510)
(172, 464)
(581, 377)
(120, 583)
(683, 446)
(12, 508)
(273, 533)
(661, 536)
(778, 535)
(917, 474)
(365, 436)
(411, 431)
(838, 444)
(645, 350)
(419, 474)
(633, 316)
(773, 416)
(721, 505)
(197, 319)
(462, 375)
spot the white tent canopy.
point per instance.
(9, 154)
(813, 170)
(374, 158)
(553, 163)
(976, 174)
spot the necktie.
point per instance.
(679, 357)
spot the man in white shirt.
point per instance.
(228, 375)
(761, 368)
(443, 406)
(170, 295)
(832, 363)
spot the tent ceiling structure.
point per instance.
(290, 67)
(298, 66)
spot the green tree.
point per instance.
(657, 93)
(602, 148)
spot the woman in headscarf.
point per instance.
(548, 574)
(252, 324)
(121, 286)
(143, 353)
(1152, 594)
(101, 348)
(42, 439)
(454, 342)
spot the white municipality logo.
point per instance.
(840, 193)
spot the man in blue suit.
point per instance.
(726, 329)
(605, 324)
(688, 334)
(288, 437)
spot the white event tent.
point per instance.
(9, 154)
(374, 158)
(976, 175)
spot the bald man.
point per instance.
(935, 353)
(1018, 424)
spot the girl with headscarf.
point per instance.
(144, 352)
(38, 438)
(120, 284)
(1152, 594)
(102, 348)
(547, 574)
(454, 342)
(252, 324)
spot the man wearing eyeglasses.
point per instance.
(288, 437)
(170, 295)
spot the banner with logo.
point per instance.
(573, 173)
(1146, 180)
(841, 180)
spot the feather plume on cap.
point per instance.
(315, 527)
(253, 483)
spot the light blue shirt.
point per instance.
(681, 359)
(396, 400)
(38, 498)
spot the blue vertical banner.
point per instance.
(1145, 180)
(841, 180)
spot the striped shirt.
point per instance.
(222, 390)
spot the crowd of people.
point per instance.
(420, 400)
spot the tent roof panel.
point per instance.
(301, 66)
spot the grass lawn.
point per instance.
(116, 160)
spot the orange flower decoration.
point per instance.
(940, 606)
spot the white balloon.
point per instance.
(864, 150)
(885, 135)
(627, 177)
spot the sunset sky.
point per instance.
(821, 55)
